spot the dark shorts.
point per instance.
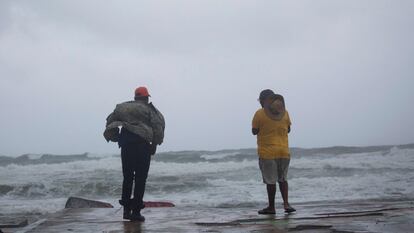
(274, 170)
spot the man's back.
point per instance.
(133, 112)
(140, 118)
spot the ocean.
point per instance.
(40, 184)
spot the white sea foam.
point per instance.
(396, 158)
(34, 156)
(178, 169)
(218, 155)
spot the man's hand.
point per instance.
(153, 148)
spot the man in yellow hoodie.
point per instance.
(272, 124)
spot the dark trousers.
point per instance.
(136, 160)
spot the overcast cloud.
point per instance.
(346, 69)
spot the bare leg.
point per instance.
(283, 186)
(271, 192)
(284, 190)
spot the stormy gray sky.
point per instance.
(346, 69)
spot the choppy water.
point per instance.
(42, 183)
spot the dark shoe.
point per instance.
(127, 213)
(136, 216)
(127, 209)
(290, 209)
(266, 211)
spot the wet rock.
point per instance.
(309, 227)
(13, 223)
(155, 204)
(76, 202)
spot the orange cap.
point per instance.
(141, 91)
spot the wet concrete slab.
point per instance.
(357, 216)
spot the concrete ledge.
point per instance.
(357, 216)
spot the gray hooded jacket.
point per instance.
(138, 117)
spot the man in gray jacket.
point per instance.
(142, 129)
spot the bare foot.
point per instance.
(267, 210)
(288, 208)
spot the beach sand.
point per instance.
(348, 216)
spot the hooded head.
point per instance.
(276, 108)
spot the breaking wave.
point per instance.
(225, 178)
